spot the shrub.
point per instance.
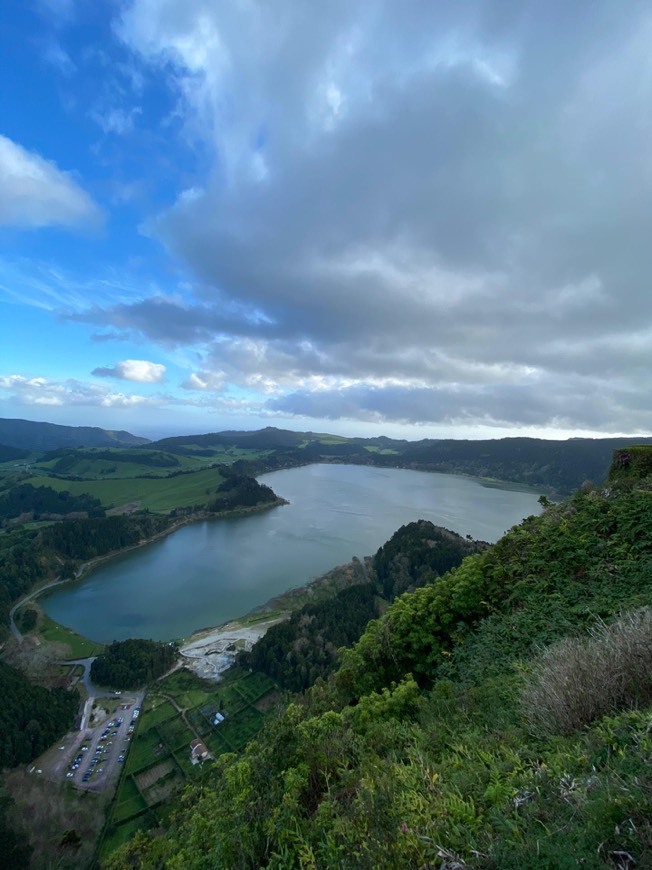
(578, 680)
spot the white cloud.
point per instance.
(44, 391)
(140, 370)
(34, 192)
(204, 381)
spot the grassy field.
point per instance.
(124, 462)
(79, 647)
(158, 763)
(160, 494)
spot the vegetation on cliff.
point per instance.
(424, 745)
(297, 652)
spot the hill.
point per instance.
(496, 717)
(30, 435)
(556, 466)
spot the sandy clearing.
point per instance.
(213, 651)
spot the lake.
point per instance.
(210, 572)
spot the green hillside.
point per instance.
(30, 435)
(497, 717)
(556, 466)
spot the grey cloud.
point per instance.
(568, 405)
(475, 220)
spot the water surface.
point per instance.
(209, 572)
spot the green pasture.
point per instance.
(144, 749)
(159, 712)
(79, 647)
(88, 466)
(129, 806)
(155, 494)
(186, 689)
(175, 733)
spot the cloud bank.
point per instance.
(414, 212)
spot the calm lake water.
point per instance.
(210, 572)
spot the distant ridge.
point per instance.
(29, 435)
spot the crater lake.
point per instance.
(209, 572)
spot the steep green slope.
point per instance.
(424, 745)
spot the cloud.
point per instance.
(35, 193)
(413, 212)
(140, 370)
(48, 392)
(203, 381)
(115, 119)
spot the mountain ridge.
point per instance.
(41, 435)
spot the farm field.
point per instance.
(155, 494)
(179, 709)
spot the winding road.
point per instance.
(12, 624)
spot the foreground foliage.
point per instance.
(420, 747)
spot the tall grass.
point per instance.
(578, 680)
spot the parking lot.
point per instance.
(102, 750)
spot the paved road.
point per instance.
(86, 678)
(91, 690)
(14, 628)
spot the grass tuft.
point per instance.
(578, 680)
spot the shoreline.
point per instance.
(92, 564)
(260, 611)
(88, 567)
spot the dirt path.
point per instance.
(182, 710)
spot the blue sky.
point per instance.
(418, 219)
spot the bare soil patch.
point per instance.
(162, 790)
(266, 703)
(148, 777)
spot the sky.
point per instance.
(415, 218)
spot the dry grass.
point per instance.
(578, 680)
(148, 777)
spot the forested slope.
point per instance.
(297, 652)
(428, 743)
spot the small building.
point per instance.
(198, 751)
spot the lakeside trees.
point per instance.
(130, 664)
(297, 652)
